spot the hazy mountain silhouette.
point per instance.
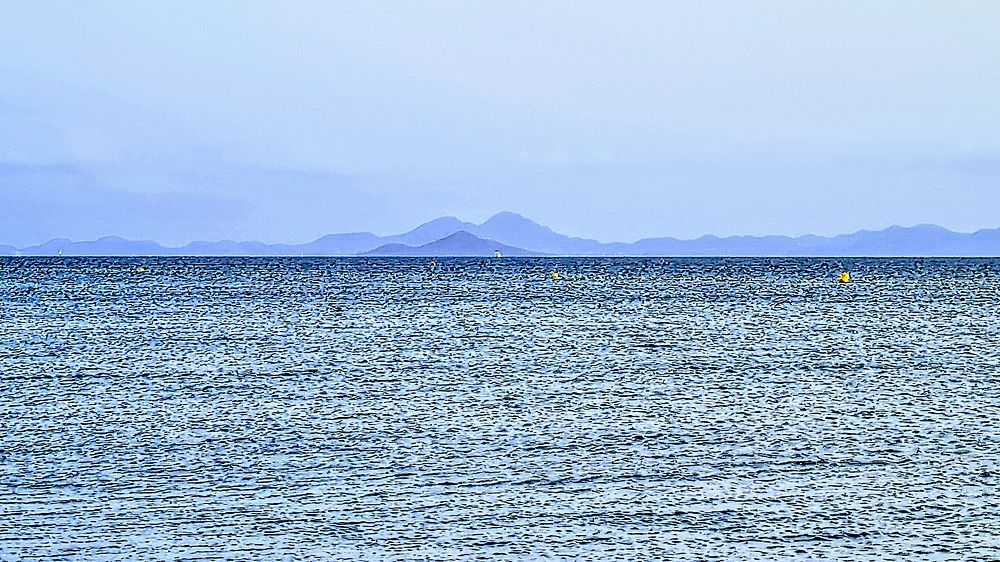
(921, 240)
(514, 235)
(232, 248)
(106, 246)
(349, 244)
(460, 243)
(7, 250)
(430, 232)
(512, 228)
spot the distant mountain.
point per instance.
(513, 234)
(330, 245)
(232, 248)
(431, 231)
(107, 246)
(460, 243)
(921, 240)
(512, 228)
(7, 250)
(338, 245)
(924, 239)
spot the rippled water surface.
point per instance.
(633, 409)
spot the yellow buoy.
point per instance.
(845, 277)
(141, 270)
(555, 275)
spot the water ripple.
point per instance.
(672, 409)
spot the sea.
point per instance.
(487, 409)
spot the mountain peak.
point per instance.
(506, 215)
(508, 218)
(448, 219)
(460, 243)
(927, 227)
(430, 231)
(461, 235)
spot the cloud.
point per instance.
(210, 200)
(286, 122)
(39, 202)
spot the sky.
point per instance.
(285, 121)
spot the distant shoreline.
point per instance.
(514, 235)
(491, 258)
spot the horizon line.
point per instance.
(370, 233)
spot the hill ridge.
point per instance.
(523, 235)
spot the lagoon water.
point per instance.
(346, 408)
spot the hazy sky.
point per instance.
(615, 120)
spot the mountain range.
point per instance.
(515, 235)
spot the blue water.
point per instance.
(678, 409)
